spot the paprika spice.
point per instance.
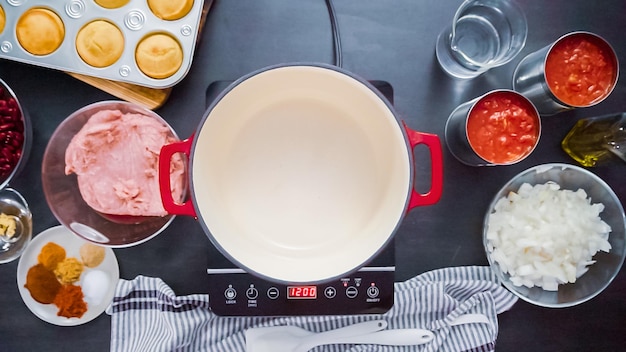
(70, 302)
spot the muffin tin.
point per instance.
(134, 19)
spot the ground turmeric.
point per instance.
(51, 255)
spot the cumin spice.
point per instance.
(42, 284)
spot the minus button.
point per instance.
(273, 293)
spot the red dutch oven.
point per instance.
(301, 173)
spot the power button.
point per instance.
(373, 291)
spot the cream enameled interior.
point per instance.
(300, 173)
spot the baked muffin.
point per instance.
(159, 55)
(111, 4)
(3, 19)
(100, 43)
(40, 31)
(170, 10)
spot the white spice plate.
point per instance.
(72, 243)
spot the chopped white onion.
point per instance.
(545, 236)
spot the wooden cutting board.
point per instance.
(151, 98)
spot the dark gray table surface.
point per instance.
(390, 40)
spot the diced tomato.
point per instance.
(503, 127)
(580, 69)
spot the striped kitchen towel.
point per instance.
(146, 315)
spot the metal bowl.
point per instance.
(607, 265)
(15, 135)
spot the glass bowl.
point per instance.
(65, 200)
(607, 265)
(16, 135)
(14, 209)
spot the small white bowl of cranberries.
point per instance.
(15, 135)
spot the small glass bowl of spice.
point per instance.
(16, 226)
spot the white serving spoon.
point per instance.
(288, 338)
(392, 337)
(294, 339)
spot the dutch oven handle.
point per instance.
(165, 157)
(436, 160)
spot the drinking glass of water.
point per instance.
(484, 34)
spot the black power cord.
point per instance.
(335, 30)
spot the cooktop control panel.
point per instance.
(233, 292)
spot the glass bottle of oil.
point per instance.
(597, 139)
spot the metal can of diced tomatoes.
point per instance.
(501, 127)
(580, 69)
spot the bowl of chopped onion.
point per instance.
(555, 235)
